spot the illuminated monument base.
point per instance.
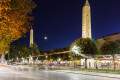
(2, 60)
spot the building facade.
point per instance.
(111, 37)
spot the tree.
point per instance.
(59, 50)
(4, 46)
(22, 51)
(100, 42)
(85, 47)
(112, 48)
(18, 51)
(67, 48)
(15, 20)
(34, 51)
(65, 56)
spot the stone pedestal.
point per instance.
(31, 60)
(2, 59)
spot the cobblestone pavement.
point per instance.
(29, 73)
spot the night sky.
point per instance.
(61, 21)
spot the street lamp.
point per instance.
(59, 59)
(23, 60)
(36, 61)
(12, 61)
(17, 60)
(46, 59)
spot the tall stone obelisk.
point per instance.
(31, 45)
(86, 20)
(31, 37)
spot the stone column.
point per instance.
(31, 37)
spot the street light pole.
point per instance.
(74, 62)
(46, 59)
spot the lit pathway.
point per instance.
(22, 73)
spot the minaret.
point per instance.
(86, 20)
(31, 37)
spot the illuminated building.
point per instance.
(111, 37)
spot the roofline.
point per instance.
(107, 35)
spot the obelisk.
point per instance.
(31, 37)
(86, 20)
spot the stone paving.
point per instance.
(28, 73)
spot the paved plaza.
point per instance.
(29, 73)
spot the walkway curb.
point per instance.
(114, 76)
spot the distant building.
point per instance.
(111, 37)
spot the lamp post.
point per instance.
(46, 60)
(12, 61)
(59, 59)
(17, 60)
(36, 60)
(23, 61)
(46, 57)
(74, 61)
(96, 63)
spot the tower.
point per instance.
(31, 36)
(86, 20)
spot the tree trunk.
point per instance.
(114, 62)
(96, 64)
(8, 57)
(85, 62)
(74, 62)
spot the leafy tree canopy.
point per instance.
(34, 50)
(110, 47)
(22, 51)
(15, 20)
(18, 51)
(84, 46)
